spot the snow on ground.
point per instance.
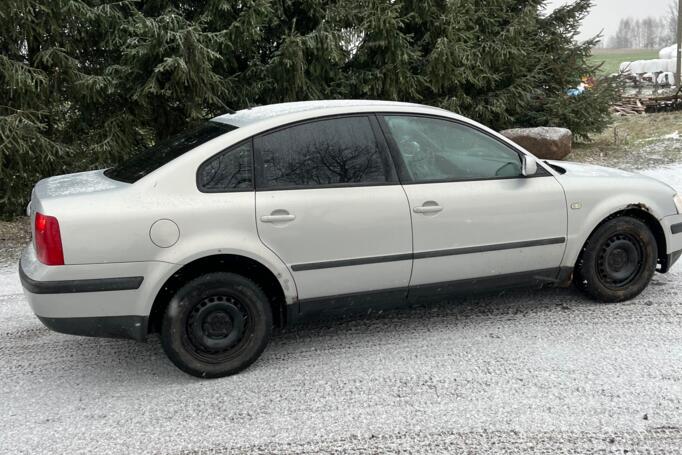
(672, 175)
(662, 141)
(528, 371)
(9, 280)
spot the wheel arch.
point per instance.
(642, 213)
(243, 265)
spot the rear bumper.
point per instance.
(134, 327)
(102, 300)
(79, 286)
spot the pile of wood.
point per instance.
(663, 103)
(628, 105)
(633, 105)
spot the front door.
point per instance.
(474, 214)
(329, 204)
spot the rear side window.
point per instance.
(339, 151)
(230, 170)
(164, 152)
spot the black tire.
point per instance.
(617, 261)
(216, 325)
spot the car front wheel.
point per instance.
(216, 325)
(618, 260)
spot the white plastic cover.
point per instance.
(650, 66)
(666, 78)
(668, 52)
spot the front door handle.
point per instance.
(277, 218)
(428, 207)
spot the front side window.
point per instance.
(165, 151)
(340, 151)
(440, 150)
(229, 170)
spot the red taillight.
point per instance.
(48, 240)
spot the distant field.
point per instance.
(612, 58)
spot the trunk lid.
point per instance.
(63, 196)
(53, 192)
(75, 184)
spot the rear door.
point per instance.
(474, 215)
(329, 204)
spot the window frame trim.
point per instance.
(384, 149)
(401, 167)
(231, 148)
(221, 125)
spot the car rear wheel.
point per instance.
(216, 325)
(618, 260)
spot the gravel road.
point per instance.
(529, 371)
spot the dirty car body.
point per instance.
(276, 213)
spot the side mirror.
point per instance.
(529, 165)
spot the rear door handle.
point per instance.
(277, 218)
(428, 208)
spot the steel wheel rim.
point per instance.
(620, 261)
(217, 328)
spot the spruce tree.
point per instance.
(86, 83)
(566, 64)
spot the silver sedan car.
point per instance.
(269, 215)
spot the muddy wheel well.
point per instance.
(224, 263)
(639, 212)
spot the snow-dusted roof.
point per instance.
(260, 113)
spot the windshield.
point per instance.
(150, 159)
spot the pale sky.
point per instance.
(606, 14)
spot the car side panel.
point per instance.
(222, 223)
(518, 225)
(591, 201)
(348, 224)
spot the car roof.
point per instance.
(257, 114)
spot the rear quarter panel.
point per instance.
(114, 226)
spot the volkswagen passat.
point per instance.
(268, 215)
